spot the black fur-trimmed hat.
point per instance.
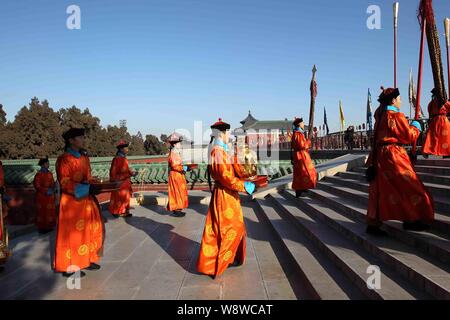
(72, 133)
(221, 125)
(42, 161)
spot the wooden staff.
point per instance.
(313, 90)
(447, 38)
(396, 7)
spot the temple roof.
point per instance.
(270, 125)
(249, 120)
(250, 123)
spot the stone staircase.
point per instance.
(324, 234)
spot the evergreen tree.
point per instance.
(37, 128)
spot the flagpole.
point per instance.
(447, 38)
(396, 7)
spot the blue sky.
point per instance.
(164, 64)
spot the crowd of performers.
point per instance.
(395, 191)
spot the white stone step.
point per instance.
(426, 273)
(323, 278)
(354, 203)
(348, 256)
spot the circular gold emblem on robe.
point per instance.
(209, 229)
(80, 225)
(229, 213)
(227, 255)
(92, 246)
(83, 250)
(231, 235)
(208, 251)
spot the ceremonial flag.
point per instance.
(325, 121)
(369, 109)
(341, 113)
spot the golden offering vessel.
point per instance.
(245, 161)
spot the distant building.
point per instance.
(264, 132)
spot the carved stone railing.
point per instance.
(22, 172)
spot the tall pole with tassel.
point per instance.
(313, 89)
(419, 78)
(396, 7)
(447, 42)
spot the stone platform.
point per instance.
(152, 255)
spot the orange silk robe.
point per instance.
(79, 239)
(223, 239)
(437, 141)
(305, 176)
(45, 204)
(120, 200)
(397, 192)
(178, 194)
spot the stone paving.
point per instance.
(153, 255)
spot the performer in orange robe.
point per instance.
(4, 250)
(395, 191)
(178, 193)
(437, 141)
(79, 239)
(305, 176)
(45, 198)
(119, 205)
(223, 241)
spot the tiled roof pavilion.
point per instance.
(251, 123)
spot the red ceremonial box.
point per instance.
(260, 181)
(103, 187)
(192, 166)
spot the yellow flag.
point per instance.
(341, 112)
